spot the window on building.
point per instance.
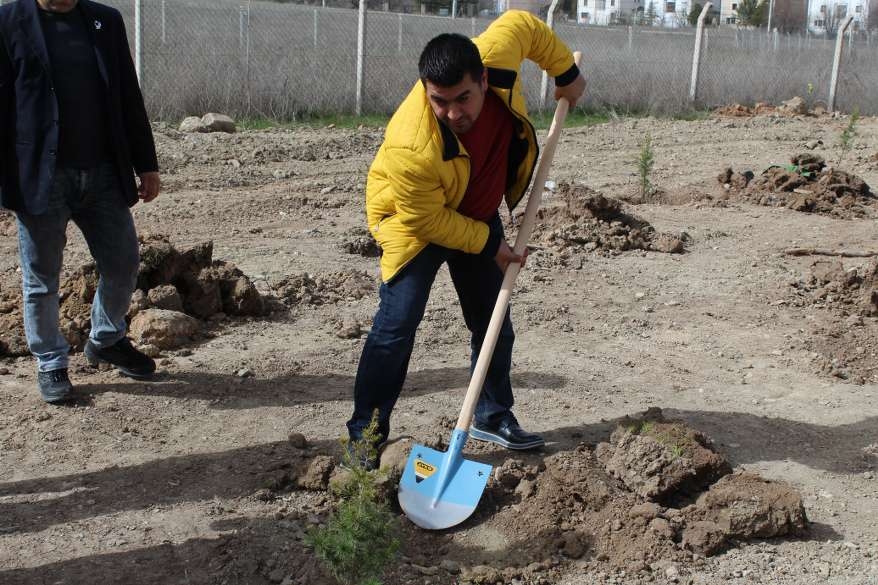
(819, 22)
(730, 20)
(734, 7)
(823, 9)
(600, 5)
(859, 9)
(670, 6)
(612, 2)
(841, 10)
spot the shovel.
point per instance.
(439, 490)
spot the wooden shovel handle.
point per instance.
(524, 233)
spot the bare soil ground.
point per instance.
(710, 402)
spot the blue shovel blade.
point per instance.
(438, 490)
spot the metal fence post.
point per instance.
(315, 28)
(399, 34)
(361, 50)
(240, 27)
(630, 39)
(138, 38)
(245, 40)
(836, 62)
(696, 55)
(544, 84)
(453, 8)
(164, 35)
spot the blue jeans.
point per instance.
(385, 358)
(93, 199)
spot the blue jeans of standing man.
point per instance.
(385, 358)
(93, 199)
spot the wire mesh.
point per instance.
(285, 60)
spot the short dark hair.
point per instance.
(447, 58)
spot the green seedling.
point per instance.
(848, 135)
(645, 162)
(358, 540)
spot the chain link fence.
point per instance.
(284, 61)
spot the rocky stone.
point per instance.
(166, 297)
(162, 328)
(218, 123)
(316, 474)
(192, 124)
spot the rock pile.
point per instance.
(176, 291)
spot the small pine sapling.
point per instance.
(359, 538)
(645, 162)
(846, 140)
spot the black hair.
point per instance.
(446, 59)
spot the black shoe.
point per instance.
(122, 354)
(55, 386)
(507, 433)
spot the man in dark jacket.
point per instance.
(73, 133)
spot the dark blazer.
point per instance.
(29, 109)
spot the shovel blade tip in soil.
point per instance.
(439, 490)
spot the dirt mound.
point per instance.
(807, 185)
(844, 340)
(325, 289)
(852, 291)
(540, 512)
(360, 242)
(579, 219)
(740, 111)
(189, 282)
(795, 106)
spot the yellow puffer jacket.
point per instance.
(421, 171)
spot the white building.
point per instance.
(728, 12)
(669, 13)
(827, 15)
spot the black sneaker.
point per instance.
(122, 354)
(506, 433)
(55, 386)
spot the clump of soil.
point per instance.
(359, 241)
(7, 223)
(845, 339)
(661, 461)
(188, 282)
(656, 493)
(808, 185)
(583, 220)
(325, 289)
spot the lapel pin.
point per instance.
(98, 25)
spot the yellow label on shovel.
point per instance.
(423, 470)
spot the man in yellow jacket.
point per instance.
(458, 145)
